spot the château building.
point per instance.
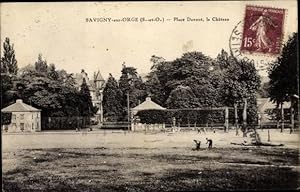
(96, 86)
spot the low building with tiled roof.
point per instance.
(25, 118)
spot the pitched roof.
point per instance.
(265, 103)
(19, 106)
(98, 76)
(79, 78)
(148, 104)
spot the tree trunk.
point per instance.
(292, 118)
(277, 118)
(226, 120)
(245, 118)
(259, 121)
(128, 112)
(282, 117)
(236, 119)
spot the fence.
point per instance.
(272, 119)
(216, 118)
(124, 125)
(65, 123)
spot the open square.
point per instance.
(107, 161)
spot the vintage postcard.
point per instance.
(149, 96)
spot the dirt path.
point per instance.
(117, 139)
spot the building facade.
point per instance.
(25, 118)
(267, 110)
(96, 86)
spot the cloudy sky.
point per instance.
(61, 33)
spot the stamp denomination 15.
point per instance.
(262, 30)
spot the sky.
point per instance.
(61, 33)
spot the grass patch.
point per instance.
(139, 169)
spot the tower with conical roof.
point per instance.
(98, 79)
(99, 84)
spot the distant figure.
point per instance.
(197, 144)
(209, 141)
(199, 130)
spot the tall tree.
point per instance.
(241, 80)
(153, 85)
(223, 59)
(41, 65)
(52, 73)
(86, 99)
(131, 83)
(112, 100)
(193, 69)
(8, 61)
(284, 74)
(9, 69)
(182, 97)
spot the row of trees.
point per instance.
(197, 81)
(191, 81)
(43, 86)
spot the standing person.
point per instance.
(209, 141)
(198, 143)
(199, 130)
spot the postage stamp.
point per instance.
(262, 30)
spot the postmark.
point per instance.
(261, 61)
(262, 30)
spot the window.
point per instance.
(14, 117)
(32, 125)
(21, 116)
(5, 128)
(22, 126)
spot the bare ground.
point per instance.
(157, 164)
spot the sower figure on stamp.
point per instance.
(261, 26)
(209, 141)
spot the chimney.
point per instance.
(148, 99)
(19, 101)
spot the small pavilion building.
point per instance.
(146, 105)
(24, 118)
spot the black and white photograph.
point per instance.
(149, 96)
